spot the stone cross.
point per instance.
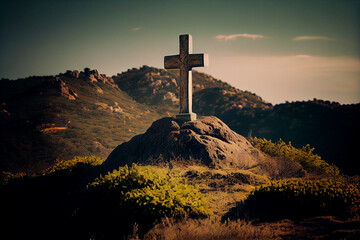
(185, 61)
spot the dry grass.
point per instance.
(219, 186)
(211, 229)
(325, 227)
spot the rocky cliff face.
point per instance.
(60, 88)
(207, 141)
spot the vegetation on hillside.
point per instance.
(304, 156)
(211, 228)
(153, 202)
(299, 198)
(74, 165)
(151, 192)
(42, 121)
(73, 193)
(7, 177)
(330, 127)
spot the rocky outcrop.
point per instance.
(62, 89)
(206, 141)
(152, 86)
(91, 75)
(74, 74)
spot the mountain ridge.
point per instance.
(85, 112)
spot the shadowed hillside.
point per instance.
(330, 127)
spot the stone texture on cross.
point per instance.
(185, 61)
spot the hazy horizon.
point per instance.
(280, 50)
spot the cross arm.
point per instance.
(172, 62)
(198, 60)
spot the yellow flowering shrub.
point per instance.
(296, 198)
(151, 192)
(304, 156)
(71, 165)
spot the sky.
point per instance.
(282, 50)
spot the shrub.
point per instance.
(151, 192)
(7, 177)
(297, 198)
(139, 195)
(304, 156)
(72, 165)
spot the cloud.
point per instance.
(301, 38)
(135, 29)
(241, 35)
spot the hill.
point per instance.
(172, 192)
(331, 128)
(160, 88)
(59, 117)
(85, 113)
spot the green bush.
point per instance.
(304, 156)
(296, 198)
(72, 165)
(150, 192)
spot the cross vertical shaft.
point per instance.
(185, 91)
(185, 74)
(185, 61)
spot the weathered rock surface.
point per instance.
(91, 75)
(207, 141)
(62, 89)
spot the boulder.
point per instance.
(207, 141)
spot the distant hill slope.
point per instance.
(331, 128)
(160, 87)
(58, 117)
